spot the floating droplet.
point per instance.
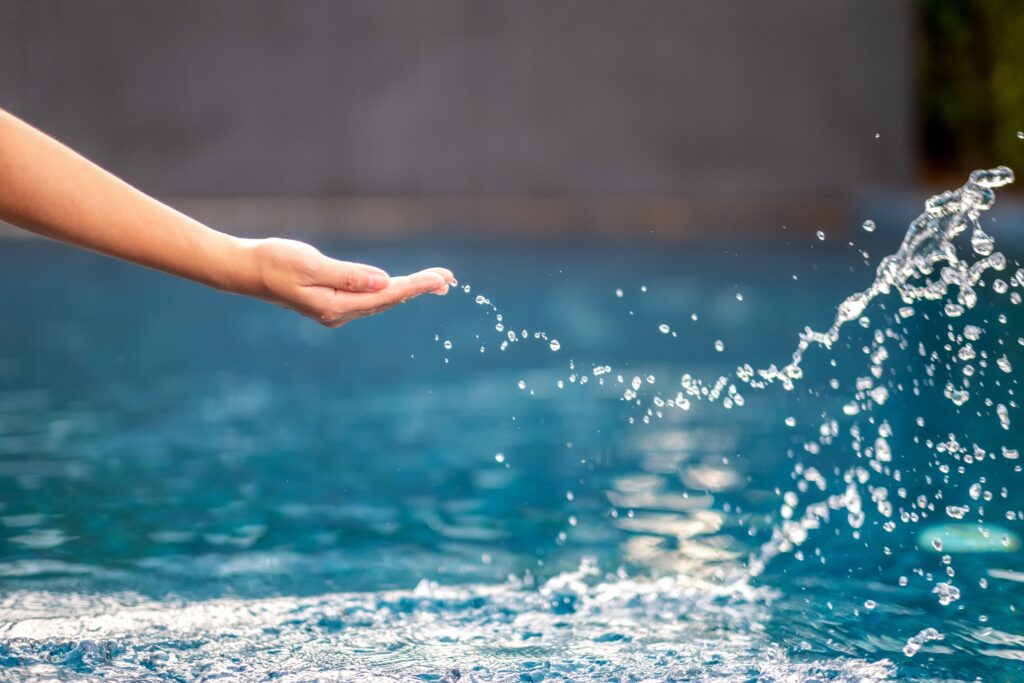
(555, 345)
(868, 225)
(821, 235)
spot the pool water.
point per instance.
(195, 486)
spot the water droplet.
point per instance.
(719, 345)
(882, 450)
(499, 457)
(448, 344)
(957, 511)
(981, 242)
(555, 345)
(664, 329)
(619, 293)
(868, 225)
(914, 643)
(791, 422)
(821, 235)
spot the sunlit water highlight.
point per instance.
(589, 524)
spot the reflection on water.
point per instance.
(251, 497)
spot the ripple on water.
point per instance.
(576, 626)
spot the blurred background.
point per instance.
(385, 118)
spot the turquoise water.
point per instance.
(195, 486)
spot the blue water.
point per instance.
(196, 486)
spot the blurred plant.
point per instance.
(972, 83)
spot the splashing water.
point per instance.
(928, 266)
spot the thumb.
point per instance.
(351, 277)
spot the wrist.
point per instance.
(243, 271)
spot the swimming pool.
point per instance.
(195, 486)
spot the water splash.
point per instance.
(930, 265)
(928, 246)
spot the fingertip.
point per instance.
(448, 276)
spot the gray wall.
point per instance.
(549, 98)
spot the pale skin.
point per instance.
(50, 190)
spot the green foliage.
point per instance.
(972, 82)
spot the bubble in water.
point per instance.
(499, 457)
(719, 345)
(619, 293)
(522, 384)
(555, 345)
(664, 329)
(448, 344)
(791, 421)
(739, 297)
(868, 225)
(1004, 364)
(821, 235)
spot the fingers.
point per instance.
(449, 279)
(350, 277)
(334, 307)
(407, 287)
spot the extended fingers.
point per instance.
(335, 307)
(407, 287)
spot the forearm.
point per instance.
(49, 189)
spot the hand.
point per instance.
(297, 276)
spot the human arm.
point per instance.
(49, 189)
